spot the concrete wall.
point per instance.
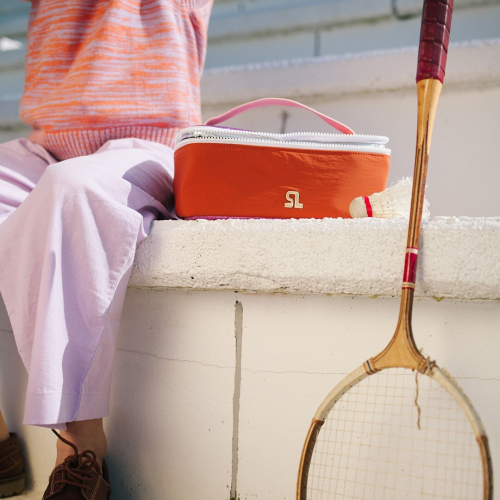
(171, 431)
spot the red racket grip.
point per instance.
(434, 39)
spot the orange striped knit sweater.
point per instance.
(105, 69)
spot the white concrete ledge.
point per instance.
(472, 64)
(460, 257)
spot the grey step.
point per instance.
(10, 135)
(13, 6)
(468, 23)
(13, 24)
(13, 59)
(241, 19)
(272, 17)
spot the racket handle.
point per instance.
(434, 39)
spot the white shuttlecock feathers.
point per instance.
(392, 203)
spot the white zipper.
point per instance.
(302, 137)
(327, 146)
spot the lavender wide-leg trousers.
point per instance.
(68, 233)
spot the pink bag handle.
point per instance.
(274, 101)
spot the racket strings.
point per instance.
(370, 446)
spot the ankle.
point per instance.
(4, 436)
(64, 451)
(4, 433)
(90, 439)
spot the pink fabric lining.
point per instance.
(216, 217)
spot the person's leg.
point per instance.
(22, 163)
(64, 274)
(4, 432)
(85, 435)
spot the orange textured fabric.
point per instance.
(227, 180)
(106, 69)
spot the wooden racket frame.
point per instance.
(402, 351)
(357, 376)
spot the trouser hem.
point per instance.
(54, 410)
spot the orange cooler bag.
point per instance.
(229, 173)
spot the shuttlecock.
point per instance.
(392, 203)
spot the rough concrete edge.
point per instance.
(152, 272)
(278, 291)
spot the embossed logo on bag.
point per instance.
(293, 203)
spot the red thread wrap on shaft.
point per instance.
(434, 39)
(410, 270)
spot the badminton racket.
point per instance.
(399, 426)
